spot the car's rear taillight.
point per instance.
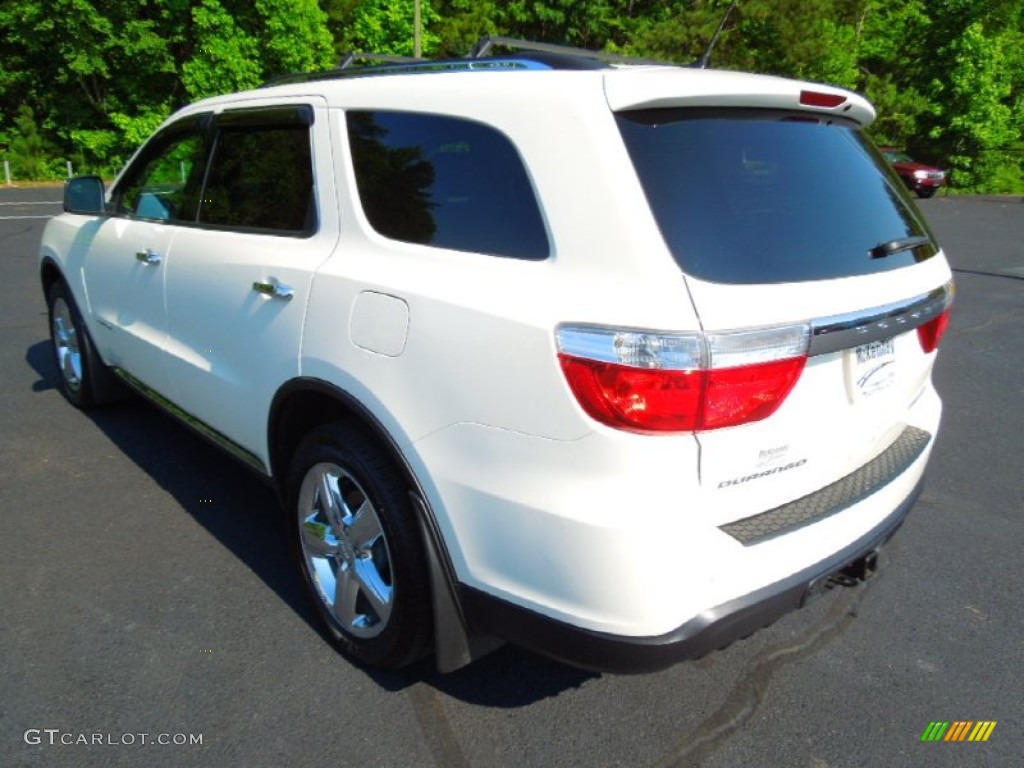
(646, 381)
(931, 332)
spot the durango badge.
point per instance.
(765, 473)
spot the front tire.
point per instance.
(84, 380)
(358, 547)
(926, 192)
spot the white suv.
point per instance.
(615, 362)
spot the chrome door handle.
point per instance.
(273, 289)
(149, 257)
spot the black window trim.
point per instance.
(262, 117)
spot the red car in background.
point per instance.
(923, 179)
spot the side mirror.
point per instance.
(85, 194)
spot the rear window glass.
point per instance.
(755, 196)
(446, 182)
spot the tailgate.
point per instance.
(779, 217)
(866, 370)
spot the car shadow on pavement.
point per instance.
(507, 678)
(193, 471)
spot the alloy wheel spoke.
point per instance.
(364, 528)
(373, 587)
(346, 596)
(330, 500)
(318, 539)
(59, 331)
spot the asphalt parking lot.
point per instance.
(148, 597)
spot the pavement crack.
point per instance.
(749, 692)
(983, 273)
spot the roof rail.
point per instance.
(350, 58)
(485, 43)
(534, 56)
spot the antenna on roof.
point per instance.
(705, 59)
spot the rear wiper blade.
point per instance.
(882, 250)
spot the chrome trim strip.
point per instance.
(197, 425)
(831, 334)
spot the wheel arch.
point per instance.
(304, 404)
(49, 273)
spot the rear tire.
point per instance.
(358, 547)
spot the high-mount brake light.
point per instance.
(644, 381)
(821, 99)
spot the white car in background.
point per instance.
(588, 357)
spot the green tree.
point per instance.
(225, 57)
(947, 76)
(83, 61)
(30, 151)
(977, 115)
(387, 26)
(294, 36)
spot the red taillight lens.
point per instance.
(750, 393)
(649, 382)
(636, 398)
(931, 333)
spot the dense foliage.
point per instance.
(87, 80)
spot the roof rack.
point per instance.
(485, 43)
(350, 58)
(535, 56)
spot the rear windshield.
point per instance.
(758, 196)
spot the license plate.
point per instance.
(873, 367)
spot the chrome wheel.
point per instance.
(65, 342)
(345, 550)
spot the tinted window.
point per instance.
(164, 182)
(260, 178)
(446, 182)
(761, 197)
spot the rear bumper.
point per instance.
(711, 630)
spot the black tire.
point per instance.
(926, 192)
(358, 547)
(84, 380)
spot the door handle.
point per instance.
(149, 257)
(274, 289)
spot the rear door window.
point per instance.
(758, 196)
